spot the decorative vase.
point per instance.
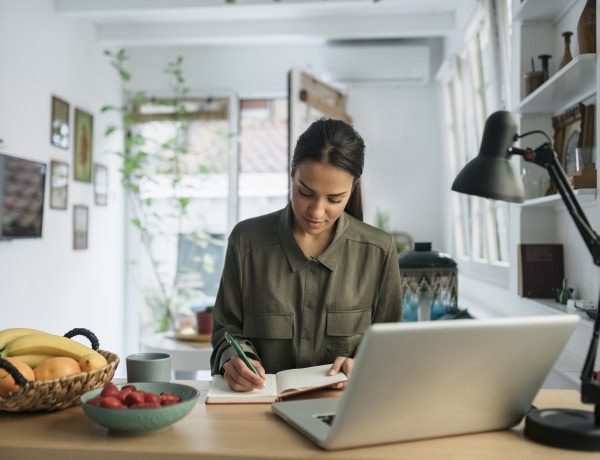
(545, 71)
(586, 28)
(429, 283)
(567, 53)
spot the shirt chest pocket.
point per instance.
(344, 331)
(347, 323)
(268, 326)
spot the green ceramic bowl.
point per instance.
(143, 420)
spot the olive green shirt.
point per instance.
(289, 310)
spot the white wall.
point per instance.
(402, 168)
(44, 283)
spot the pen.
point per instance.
(240, 352)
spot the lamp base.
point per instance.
(564, 428)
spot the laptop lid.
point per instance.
(432, 379)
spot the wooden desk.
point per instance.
(247, 432)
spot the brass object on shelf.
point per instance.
(567, 57)
(533, 80)
(586, 28)
(545, 71)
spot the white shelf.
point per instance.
(541, 10)
(585, 196)
(550, 306)
(572, 84)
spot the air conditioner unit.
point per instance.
(376, 64)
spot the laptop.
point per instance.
(433, 379)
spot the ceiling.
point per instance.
(130, 23)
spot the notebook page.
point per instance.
(308, 377)
(219, 391)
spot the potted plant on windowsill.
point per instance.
(204, 319)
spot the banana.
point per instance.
(33, 360)
(46, 344)
(7, 335)
(92, 361)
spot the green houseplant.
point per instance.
(151, 162)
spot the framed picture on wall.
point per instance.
(100, 184)
(59, 184)
(80, 226)
(82, 153)
(60, 131)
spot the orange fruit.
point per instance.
(7, 382)
(58, 366)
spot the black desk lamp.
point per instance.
(491, 175)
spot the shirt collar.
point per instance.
(294, 254)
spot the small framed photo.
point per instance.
(100, 184)
(567, 134)
(59, 184)
(80, 226)
(588, 124)
(82, 153)
(60, 131)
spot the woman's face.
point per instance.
(320, 192)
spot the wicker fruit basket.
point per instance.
(59, 393)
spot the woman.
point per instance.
(301, 285)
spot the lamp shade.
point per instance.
(491, 174)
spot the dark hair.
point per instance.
(337, 143)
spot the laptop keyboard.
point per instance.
(328, 418)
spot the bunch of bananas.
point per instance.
(33, 346)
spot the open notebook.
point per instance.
(277, 386)
(432, 379)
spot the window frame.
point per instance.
(473, 87)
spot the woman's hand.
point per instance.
(341, 364)
(240, 377)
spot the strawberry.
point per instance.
(112, 402)
(125, 391)
(145, 405)
(135, 397)
(152, 398)
(110, 389)
(166, 398)
(95, 401)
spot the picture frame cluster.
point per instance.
(79, 137)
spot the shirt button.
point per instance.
(312, 269)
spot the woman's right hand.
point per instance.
(240, 377)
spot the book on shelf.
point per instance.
(277, 386)
(541, 269)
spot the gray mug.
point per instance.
(148, 367)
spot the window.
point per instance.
(474, 84)
(223, 174)
(264, 170)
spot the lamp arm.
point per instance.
(545, 156)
